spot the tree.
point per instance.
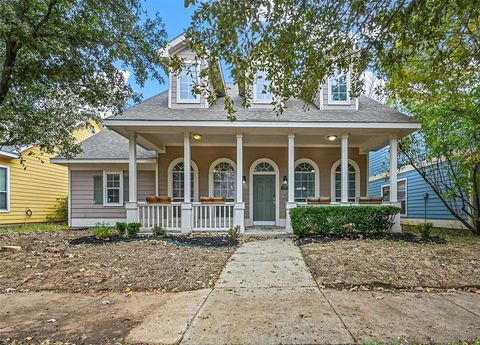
(427, 52)
(58, 63)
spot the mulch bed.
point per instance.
(397, 237)
(213, 241)
(74, 261)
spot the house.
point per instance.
(249, 172)
(419, 203)
(30, 190)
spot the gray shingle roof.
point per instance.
(9, 149)
(108, 144)
(156, 108)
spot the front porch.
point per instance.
(258, 174)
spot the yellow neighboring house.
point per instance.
(29, 192)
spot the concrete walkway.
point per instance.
(266, 295)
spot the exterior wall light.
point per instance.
(197, 136)
(332, 137)
(244, 179)
(285, 180)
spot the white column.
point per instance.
(157, 162)
(291, 167)
(291, 181)
(393, 182)
(239, 216)
(393, 169)
(344, 163)
(187, 202)
(131, 205)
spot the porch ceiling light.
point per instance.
(332, 137)
(197, 136)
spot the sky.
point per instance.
(176, 19)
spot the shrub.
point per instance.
(159, 231)
(425, 229)
(121, 227)
(101, 231)
(132, 230)
(60, 211)
(342, 220)
(234, 232)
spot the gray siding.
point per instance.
(82, 205)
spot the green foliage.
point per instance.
(132, 230)
(60, 211)
(59, 66)
(25, 228)
(234, 232)
(121, 227)
(425, 229)
(101, 231)
(159, 231)
(342, 220)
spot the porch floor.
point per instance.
(266, 231)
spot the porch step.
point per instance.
(266, 231)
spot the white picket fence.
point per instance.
(167, 216)
(210, 217)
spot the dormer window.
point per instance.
(260, 89)
(339, 88)
(187, 80)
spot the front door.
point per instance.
(264, 199)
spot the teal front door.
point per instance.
(264, 199)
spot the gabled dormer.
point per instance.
(335, 93)
(181, 93)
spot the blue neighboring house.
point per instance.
(412, 190)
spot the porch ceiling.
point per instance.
(366, 139)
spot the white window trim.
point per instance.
(188, 101)
(329, 91)
(194, 193)
(110, 172)
(276, 172)
(259, 101)
(317, 173)
(406, 194)
(7, 210)
(332, 179)
(210, 174)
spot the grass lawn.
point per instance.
(50, 261)
(33, 227)
(345, 263)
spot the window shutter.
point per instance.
(126, 196)
(98, 189)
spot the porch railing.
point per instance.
(207, 217)
(167, 216)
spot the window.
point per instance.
(4, 190)
(178, 191)
(264, 167)
(338, 89)
(223, 175)
(353, 181)
(187, 80)
(304, 181)
(401, 195)
(113, 188)
(260, 92)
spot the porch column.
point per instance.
(187, 201)
(291, 181)
(344, 163)
(239, 215)
(131, 205)
(393, 181)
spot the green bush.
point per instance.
(159, 231)
(132, 230)
(234, 232)
(60, 211)
(342, 220)
(425, 229)
(101, 231)
(121, 227)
